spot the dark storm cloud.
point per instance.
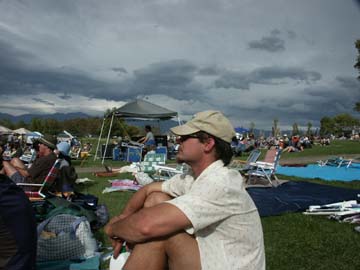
(12, 57)
(209, 71)
(291, 34)
(265, 75)
(20, 81)
(265, 114)
(17, 77)
(119, 70)
(270, 43)
(270, 74)
(44, 101)
(349, 83)
(340, 97)
(65, 96)
(174, 78)
(233, 80)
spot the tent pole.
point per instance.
(179, 122)
(97, 147)
(108, 137)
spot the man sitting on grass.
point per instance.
(202, 220)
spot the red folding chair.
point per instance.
(43, 187)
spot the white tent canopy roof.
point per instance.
(5, 130)
(21, 131)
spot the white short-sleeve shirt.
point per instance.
(224, 218)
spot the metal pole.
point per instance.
(97, 147)
(108, 137)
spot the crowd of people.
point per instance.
(295, 143)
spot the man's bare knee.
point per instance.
(16, 162)
(182, 251)
(156, 198)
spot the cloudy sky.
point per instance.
(255, 60)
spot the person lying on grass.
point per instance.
(204, 219)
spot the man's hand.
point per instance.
(116, 242)
(134, 205)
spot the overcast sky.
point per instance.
(254, 60)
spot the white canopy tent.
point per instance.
(21, 131)
(5, 130)
(138, 109)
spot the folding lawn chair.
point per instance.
(267, 168)
(166, 172)
(244, 166)
(49, 180)
(336, 162)
(150, 160)
(28, 159)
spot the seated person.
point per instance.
(19, 173)
(204, 219)
(237, 147)
(2, 149)
(67, 175)
(16, 150)
(149, 139)
(17, 227)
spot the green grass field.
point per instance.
(292, 241)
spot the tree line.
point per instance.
(80, 127)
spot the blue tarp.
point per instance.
(294, 196)
(323, 172)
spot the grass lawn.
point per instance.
(292, 241)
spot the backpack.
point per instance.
(66, 178)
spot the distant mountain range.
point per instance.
(57, 116)
(164, 125)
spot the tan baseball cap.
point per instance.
(212, 122)
(49, 141)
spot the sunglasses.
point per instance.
(181, 139)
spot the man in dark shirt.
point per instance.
(19, 173)
(17, 227)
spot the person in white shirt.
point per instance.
(203, 219)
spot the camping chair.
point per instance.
(28, 158)
(43, 187)
(244, 166)
(150, 160)
(337, 162)
(163, 173)
(267, 168)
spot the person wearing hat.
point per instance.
(46, 158)
(203, 219)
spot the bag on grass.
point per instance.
(64, 237)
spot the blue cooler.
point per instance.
(133, 154)
(116, 153)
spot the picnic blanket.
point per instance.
(296, 196)
(323, 172)
(122, 184)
